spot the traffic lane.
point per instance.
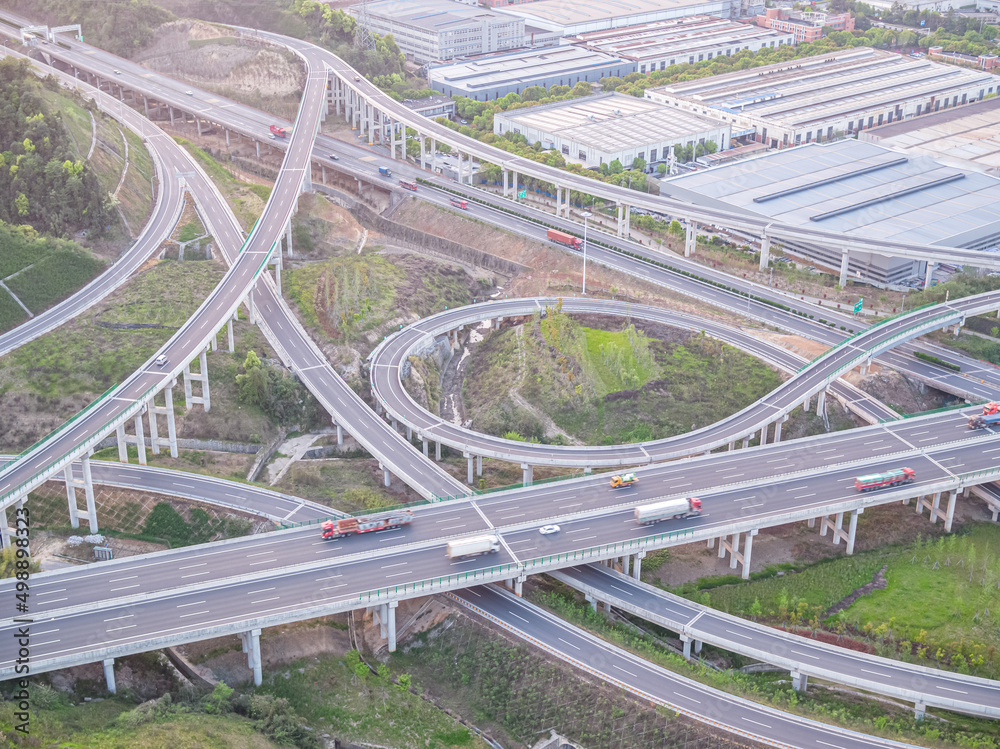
(626, 670)
(164, 571)
(232, 602)
(719, 628)
(720, 510)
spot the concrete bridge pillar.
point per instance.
(170, 111)
(109, 675)
(637, 564)
(145, 106)
(227, 137)
(479, 465)
(201, 376)
(88, 490)
(251, 646)
(746, 441)
(340, 435)
(836, 529)
(251, 308)
(471, 459)
(688, 642)
(288, 239)
(931, 267)
(409, 434)
(765, 251)
(821, 402)
(690, 239)
(424, 444)
(777, 428)
(622, 214)
(386, 475)
(934, 506)
(122, 445)
(526, 474)
(391, 624)
(591, 600)
(807, 403)
(74, 512)
(140, 439)
(229, 334)
(437, 451)
(845, 259)
(733, 547)
(799, 681)
(919, 710)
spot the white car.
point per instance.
(548, 530)
(189, 93)
(161, 360)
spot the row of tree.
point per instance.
(41, 181)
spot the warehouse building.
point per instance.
(597, 130)
(859, 189)
(827, 96)
(659, 44)
(495, 76)
(574, 17)
(427, 30)
(967, 137)
(806, 26)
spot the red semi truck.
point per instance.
(366, 523)
(279, 131)
(561, 237)
(881, 480)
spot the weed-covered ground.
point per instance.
(621, 382)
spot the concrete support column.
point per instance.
(777, 428)
(409, 434)
(154, 436)
(733, 561)
(423, 442)
(251, 646)
(747, 551)
(257, 143)
(625, 562)
(170, 111)
(950, 515)
(587, 470)
(637, 564)
(140, 439)
(506, 186)
(807, 403)
(622, 212)
(288, 240)
(109, 675)
(437, 451)
(88, 490)
(168, 405)
(821, 402)
(227, 137)
(690, 239)
(844, 260)
(687, 647)
(746, 441)
(122, 444)
(853, 529)
(471, 459)
(202, 376)
(392, 140)
(799, 681)
(765, 251)
(518, 585)
(591, 600)
(229, 333)
(479, 465)
(392, 625)
(919, 710)
(526, 474)
(145, 106)
(340, 435)
(197, 123)
(251, 308)
(74, 512)
(6, 537)
(930, 274)
(387, 476)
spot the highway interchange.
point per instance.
(973, 454)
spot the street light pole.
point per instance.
(586, 215)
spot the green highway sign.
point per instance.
(522, 194)
(859, 305)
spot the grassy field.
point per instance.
(348, 297)
(346, 484)
(246, 199)
(55, 277)
(941, 606)
(609, 386)
(328, 694)
(74, 116)
(93, 725)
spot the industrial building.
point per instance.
(859, 189)
(827, 96)
(495, 76)
(967, 137)
(659, 44)
(427, 30)
(806, 26)
(600, 129)
(432, 106)
(573, 17)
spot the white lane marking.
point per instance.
(397, 564)
(124, 587)
(196, 574)
(797, 488)
(948, 689)
(624, 671)
(264, 561)
(452, 527)
(876, 673)
(623, 590)
(805, 655)
(562, 640)
(264, 600)
(262, 590)
(803, 496)
(192, 603)
(739, 634)
(117, 580)
(113, 629)
(687, 697)
(764, 725)
(116, 618)
(824, 743)
(189, 566)
(194, 613)
(519, 617)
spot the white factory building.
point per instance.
(427, 30)
(660, 44)
(827, 96)
(573, 17)
(597, 130)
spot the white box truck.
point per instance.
(672, 508)
(464, 548)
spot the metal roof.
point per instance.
(859, 189)
(522, 67)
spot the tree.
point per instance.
(638, 165)
(615, 167)
(582, 89)
(533, 93)
(661, 168)
(711, 146)
(252, 385)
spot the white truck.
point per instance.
(465, 548)
(672, 508)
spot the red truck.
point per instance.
(561, 237)
(894, 477)
(408, 185)
(279, 131)
(366, 523)
(459, 203)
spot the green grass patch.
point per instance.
(75, 117)
(327, 692)
(95, 351)
(190, 231)
(224, 41)
(11, 313)
(55, 277)
(974, 346)
(246, 199)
